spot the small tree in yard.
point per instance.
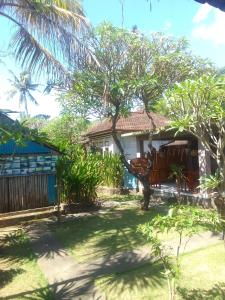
(65, 131)
(185, 221)
(198, 106)
(133, 71)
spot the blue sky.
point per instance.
(202, 25)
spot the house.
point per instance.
(128, 130)
(183, 149)
(27, 173)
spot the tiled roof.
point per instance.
(136, 121)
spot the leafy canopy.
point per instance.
(133, 70)
(198, 106)
(65, 131)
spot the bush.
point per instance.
(113, 170)
(79, 175)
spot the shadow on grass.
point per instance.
(64, 290)
(83, 284)
(6, 276)
(15, 247)
(42, 293)
(44, 243)
(216, 292)
(139, 278)
(106, 234)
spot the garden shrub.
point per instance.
(113, 170)
(80, 173)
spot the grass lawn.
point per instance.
(121, 198)
(203, 278)
(92, 237)
(20, 276)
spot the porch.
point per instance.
(170, 189)
(184, 154)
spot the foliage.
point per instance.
(46, 33)
(132, 70)
(79, 176)
(37, 122)
(113, 170)
(198, 106)
(186, 221)
(210, 182)
(81, 172)
(65, 131)
(177, 172)
(160, 107)
(17, 131)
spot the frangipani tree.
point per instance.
(133, 71)
(198, 106)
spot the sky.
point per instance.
(202, 25)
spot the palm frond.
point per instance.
(15, 78)
(34, 57)
(11, 94)
(31, 98)
(33, 86)
(49, 33)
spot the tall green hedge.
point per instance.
(80, 173)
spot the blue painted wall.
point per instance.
(52, 189)
(24, 155)
(29, 147)
(130, 181)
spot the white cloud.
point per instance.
(213, 31)
(202, 13)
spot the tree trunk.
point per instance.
(144, 179)
(220, 205)
(220, 198)
(147, 193)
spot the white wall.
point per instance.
(129, 144)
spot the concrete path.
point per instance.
(72, 280)
(67, 278)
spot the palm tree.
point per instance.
(47, 33)
(23, 87)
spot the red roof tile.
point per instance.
(136, 121)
